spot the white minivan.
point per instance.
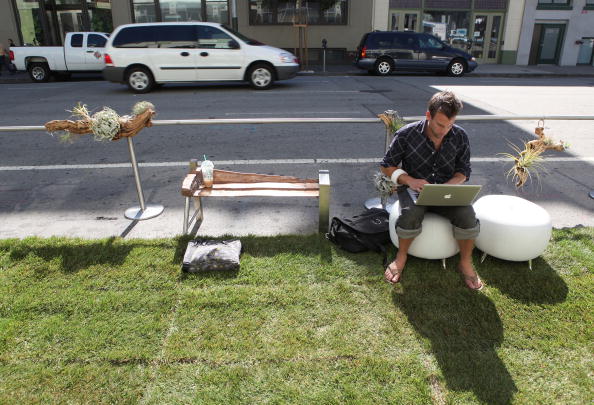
(142, 55)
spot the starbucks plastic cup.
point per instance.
(207, 168)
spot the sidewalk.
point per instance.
(491, 70)
(487, 70)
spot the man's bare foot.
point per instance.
(471, 279)
(394, 270)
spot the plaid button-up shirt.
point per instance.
(415, 153)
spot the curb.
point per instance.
(511, 75)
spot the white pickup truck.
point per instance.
(82, 52)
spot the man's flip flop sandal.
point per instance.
(394, 272)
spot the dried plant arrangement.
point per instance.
(105, 125)
(384, 186)
(392, 120)
(528, 161)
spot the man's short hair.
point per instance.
(445, 102)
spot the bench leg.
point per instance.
(186, 215)
(198, 207)
(197, 216)
(324, 201)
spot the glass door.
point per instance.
(549, 44)
(486, 37)
(402, 20)
(585, 52)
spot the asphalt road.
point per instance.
(82, 189)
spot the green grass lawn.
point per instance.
(114, 321)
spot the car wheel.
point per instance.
(39, 72)
(140, 80)
(261, 77)
(383, 67)
(456, 68)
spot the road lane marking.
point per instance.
(264, 162)
(350, 112)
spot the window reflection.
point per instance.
(449, 26)
(326, 12)
(185, 10)
(144, 11)
(189, 10)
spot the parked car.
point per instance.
(382, 52)
(142, 55)
(82, 52)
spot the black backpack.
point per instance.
(367, 231)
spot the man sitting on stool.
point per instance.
(433, 150)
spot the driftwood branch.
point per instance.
(129, 125)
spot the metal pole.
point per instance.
(376, 202)
(136, 174)
(217, 121)
(144, 211)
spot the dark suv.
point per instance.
(382, 52)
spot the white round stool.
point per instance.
(436, 240)
(512, 228)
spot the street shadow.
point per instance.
(464, 330)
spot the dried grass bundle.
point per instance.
(105, 125)
(528, 161)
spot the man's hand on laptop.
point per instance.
(415, 184)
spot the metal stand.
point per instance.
(144, 211)
(375, 202)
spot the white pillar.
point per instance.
(380, 15)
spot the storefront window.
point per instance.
(30, 22)
(449, 26)
(188, 10)
(100, 16)
(217, 11)
(144, 11)
(316, 12)
(184, 10)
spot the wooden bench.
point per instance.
(236, 184)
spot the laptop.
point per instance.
(445, 194)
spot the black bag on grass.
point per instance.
(367, 231)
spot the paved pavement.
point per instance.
(490, 70)
(38, 218)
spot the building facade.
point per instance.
(493, 31)
(280, 23)
(559, 32)
(477, 26)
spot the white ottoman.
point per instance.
(436, 240)
(512, 228)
